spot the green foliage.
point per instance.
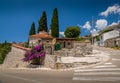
(43, 22)
(27, 45)
(79, 39)
(32, 29)
(5, 48)
(57, 46)
(72, 32)
(55, 24)
(97, 38)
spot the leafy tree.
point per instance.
(72, 32)
(43, 22)
(32, 29)
(55, 24)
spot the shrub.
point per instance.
(35, 55)
(57, 46)
(5, 48)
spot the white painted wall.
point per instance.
(108, 35)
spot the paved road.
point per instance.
(108, 72)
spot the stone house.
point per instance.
(65, 42)
(41, 37)
(45, 38)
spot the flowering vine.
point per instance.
(35, 54)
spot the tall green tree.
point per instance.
(43, 23)
(32, 29)
(55, 24)
(72, 32)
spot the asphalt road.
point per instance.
(108, 72)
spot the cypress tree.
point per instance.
(32, 29)
(43, 23)
(55, 24)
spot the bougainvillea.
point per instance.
(36, 53)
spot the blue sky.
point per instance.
(16, 16)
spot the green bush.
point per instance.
(79, 39)
(5, 48)
(57, 46)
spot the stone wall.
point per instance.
(79, 50)
(14, 58)
(49, 61)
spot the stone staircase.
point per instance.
(14, 58)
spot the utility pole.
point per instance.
(92, 32)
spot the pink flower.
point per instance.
(36, 52)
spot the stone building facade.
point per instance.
(46, 39)
(42, 37)
(113, 42)
(109, 33)
(66, 42)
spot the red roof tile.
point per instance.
(41, 36)
(20, 47)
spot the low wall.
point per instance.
(79, 50)
(49, 61)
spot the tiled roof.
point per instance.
(20, 47)
(41, 36)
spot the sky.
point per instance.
(16, 16)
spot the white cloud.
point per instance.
(94, 32)
(101, 24)
(87, 25)
(61, 33)
(115, 9)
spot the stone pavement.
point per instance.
(98, 57)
